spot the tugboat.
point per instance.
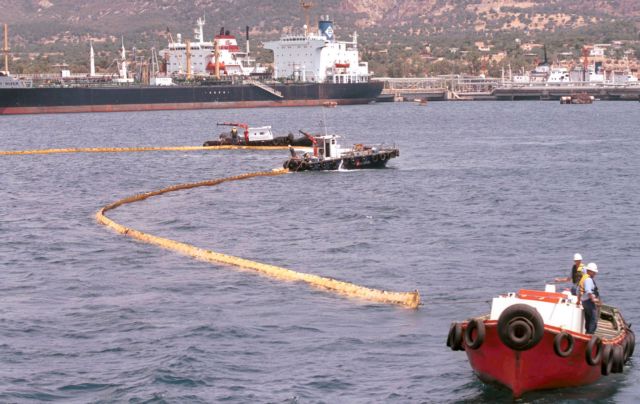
(258, 136)
(535, 340)
(329, 155)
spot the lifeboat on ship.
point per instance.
(535, 340)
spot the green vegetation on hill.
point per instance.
(397, 37)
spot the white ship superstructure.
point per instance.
(318, 57)
(198, 57)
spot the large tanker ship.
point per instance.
(309, 69)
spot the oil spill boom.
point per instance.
(406, 299)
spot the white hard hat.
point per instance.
(577, 257)
(592, 267)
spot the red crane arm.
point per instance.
(313, 139)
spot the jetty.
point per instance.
(478, 88)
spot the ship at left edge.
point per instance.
(200, 74)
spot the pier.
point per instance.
(467, 88)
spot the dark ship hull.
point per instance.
(36, 100)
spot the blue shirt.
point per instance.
(588, 289)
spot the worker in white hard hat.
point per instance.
(234, 135)
(577, 270)
(590, 298)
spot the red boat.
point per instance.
(535, 340)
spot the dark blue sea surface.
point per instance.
(485, 198)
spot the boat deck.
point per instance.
(609, 324)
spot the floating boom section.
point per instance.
(407, 299)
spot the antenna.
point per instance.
(324, 122)
(306, 5)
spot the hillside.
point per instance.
(50, 31)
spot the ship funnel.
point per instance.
(325, 26)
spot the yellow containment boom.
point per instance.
(138, 149)
(408, 299)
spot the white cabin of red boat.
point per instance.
(557, 309)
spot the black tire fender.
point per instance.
(631, 342)
(594, 343)
(478, 326)
(606, 364)
(383, 156)
(617, 352)
(520, 327)
(454, 339)
(557, 344)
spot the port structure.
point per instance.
(461, 87)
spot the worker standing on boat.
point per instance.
(577, 270)
(234, 135)
(590, 298)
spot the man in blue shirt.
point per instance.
(589, 297)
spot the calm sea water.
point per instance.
(485, 198)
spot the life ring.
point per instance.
(520, 327)
(471, 341)
(617, 352)
(454, 339)
(558, 342)
(606, 366)
(594, 343)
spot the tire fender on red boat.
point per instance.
(594, 359)
(606, 366)
(617, 352)
(558, 344)
(454, 339)
(630, 344)
(520, 327)
(471, 341)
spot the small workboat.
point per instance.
(535, 340)
(580, 98)
(256, 136)
(329, 155)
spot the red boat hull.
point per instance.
(537, 368)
